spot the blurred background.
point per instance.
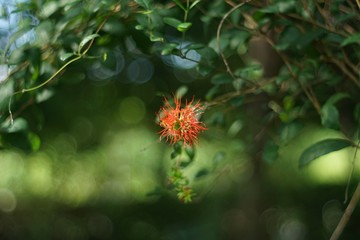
(100, 171)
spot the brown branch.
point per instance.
(308, 91)
(347, 214)
(345, 70)
(228, 69)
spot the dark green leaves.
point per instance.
(352, 39)
(19, 124)
(322, 148)
(144, 3)
(221, 78)
(279, 7)
(329, 113)
(86, 40)
(180, 26)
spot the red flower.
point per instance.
(181, 123)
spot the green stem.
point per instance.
(50, 78)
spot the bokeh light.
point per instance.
(103, 70)
(7, 200)
(131, 110)
(140, 70)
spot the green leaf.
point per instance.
(194, 4)
(18, 125)
(238, 83)
(17, 35)
(329, 113)
(65, 56)
(252, 72)
(181, 91)
(144, 3)
(352, 39)
(218, 158)
(172, 21)
(235, 128)
(34, 141)
(330, 116)
(156, 38)
(139, 27)
(287, 38)
(270, 152)
(224, 43)
(44, 95)
(322, 148)
(180, 5)
(26, 141)
(221, 78)
(237, 101)
(169, 48)
(177, 150)
(306, 38)
(48, 9)
(195, 46)
(279, 7)
(337, 97)
(183, 27)
(86, 40)
(185, 164)
(212, 92)
(290, 130)
(201, 173)
(190, 151)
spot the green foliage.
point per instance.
(304, 70)
(322, 148)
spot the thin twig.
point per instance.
(228, 69)
(351, 172)
(80, 55)
(347, 214)
(345, 70)
(308, 91)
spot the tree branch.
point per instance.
(347, 214)
(218, 36)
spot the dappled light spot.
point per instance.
(4, 72)
(292, 228)
(140, 70)
(78, 185)
(13, 19)
(332, 168)
(189, 59)
(101, 71)
(283, 224)
(271, 218)
(65, 144)
(82, 129)
(7, 200)
(11, 170)
(331, 214)
(39, 175)
(131, 110)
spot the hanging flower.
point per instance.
(181, 123)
